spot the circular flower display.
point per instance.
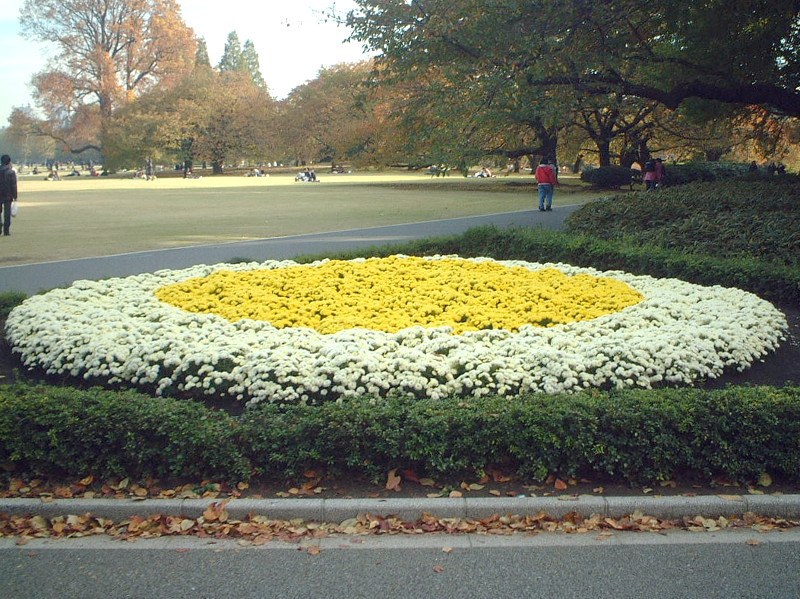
(118, 330)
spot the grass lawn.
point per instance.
(83, 216)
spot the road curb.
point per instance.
(412, 509)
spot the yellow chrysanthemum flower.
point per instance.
(390, 294)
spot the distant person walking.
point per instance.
(8, 192)
(661, 173)
(650, 176)
(547, 179)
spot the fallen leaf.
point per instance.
(456, 494)
(393, 481)
(475, 487)
(427, 482)
(731, 497)
(499, 477)
(765, 480)
(494, 492)
(753, 542)
(314, 550)
(438, 569)
(447, 549)
(560, 485)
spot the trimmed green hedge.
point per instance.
(609, 177)
(63, 431)
(8, 301)
(692, 172)
(640, 436)
(732, 218)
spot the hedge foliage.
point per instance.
(693, 172)
(608, 177)
(758, 219)
(63, 431)
(640, 436)
(8, 301)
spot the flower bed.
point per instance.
(119, 331)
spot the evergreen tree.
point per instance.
(250, 64)
(232, 59)
(201, 56)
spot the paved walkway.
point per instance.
(33, 278)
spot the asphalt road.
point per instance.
(730, 564)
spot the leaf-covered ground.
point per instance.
(215, 523)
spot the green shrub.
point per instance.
(636, 435)
(725, 219)
(608, 177)
(60, 431)
(8, 301)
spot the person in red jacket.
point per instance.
(546, 176)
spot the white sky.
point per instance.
(292, 40)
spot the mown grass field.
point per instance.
(83, 216)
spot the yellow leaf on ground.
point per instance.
(393, 481)
(731, 497)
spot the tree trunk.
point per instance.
(216, 167)
(604, 151)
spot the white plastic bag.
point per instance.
(14, 208)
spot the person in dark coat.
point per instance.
(8, 192)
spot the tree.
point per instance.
(251, 64)
(741, 52)
(215, 116)
(109, 52)
(462, 100)
(232, 59)
(329, 117)
(201, 56)
(607, 118)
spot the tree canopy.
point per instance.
(736, 51)
(109, 52)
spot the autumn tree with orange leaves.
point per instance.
(109, 52)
